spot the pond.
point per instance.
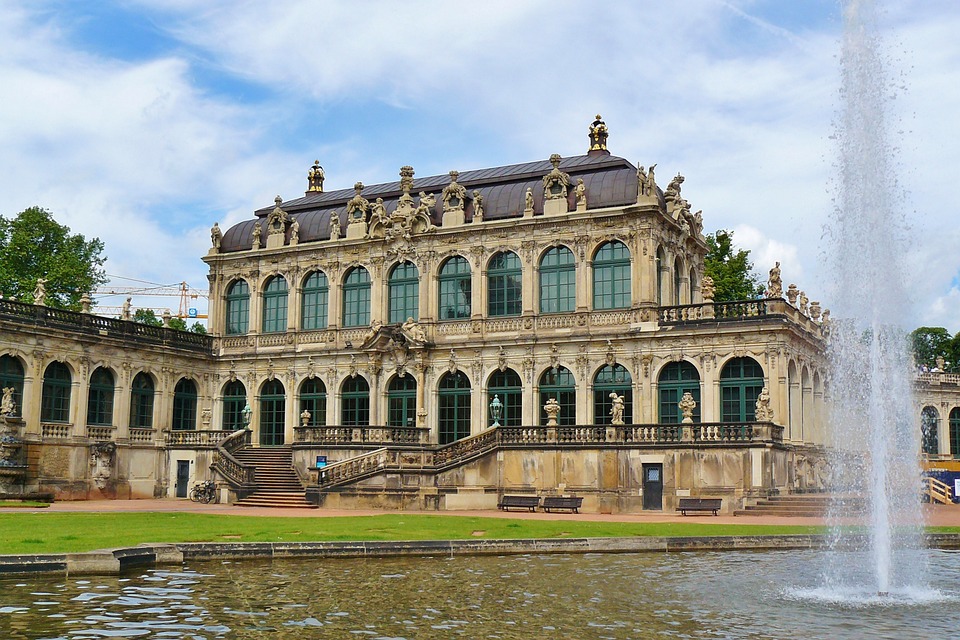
(675, 595)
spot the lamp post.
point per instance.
(496, 410)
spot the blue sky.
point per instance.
(144, 121)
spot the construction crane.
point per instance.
(182, 291)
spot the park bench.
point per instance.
(519, 502)
(698, 504)
(561, 502)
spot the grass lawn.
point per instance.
(26, 533)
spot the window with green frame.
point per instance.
(184, 405)
(741, 381)
(100, 398)
(611, 276)
(453, 407)
(455, 289)
(238, 308)
(504, 285)
(313, 398)
(558, 281)
(930, 431)
(675, 379)
(55, 396)
(404, 293)
(955, 432)
(355, 402)
(402, 402)
(508, 388)
(273, 401)
(356, 298)
(275, 305)
(11, 375)
(234, 400)
(141, 401)
(314, 300)
(612, 379)
(558, 383)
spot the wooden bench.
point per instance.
(519, 502)
(560, 502)
(699, 504)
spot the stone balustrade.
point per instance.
(56, 431)
(101, 433)
(360, 435)
(195, 439)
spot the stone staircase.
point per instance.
(277, 483)
(800, 505)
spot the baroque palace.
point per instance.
(435, 343)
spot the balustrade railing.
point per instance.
(234, 471)
(338, 434)
(355, 467)
(457, 451)
(141, 435)
(199, 438)
(56, 431)
(100, 433)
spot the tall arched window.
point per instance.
(100, 398)
(675, 379)
(141, 401)
(402, 402)
(355, 402)
(185, 405)
(955, 432)
(313, 312)
(455, 289)
(55, 399)
(238, 308)
(611, 276)
(273, 401)
(11, 375)
(313, 398)
(661, 265)
(454, 407)
(404, 285)
(740, 383)
(504, 285)
(275, 305)
(558, 383)
(678, 282)
(558, 281)
(694, 285)
(234, 400)
(507, 387)
(356, 298)
(610, 380)
(930, 431)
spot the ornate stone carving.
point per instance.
(477, 206)
(804, 300)
(334, 225)
(686, 405)
(40, 292)
(646, 183)
(528, 203)
(774, 283)
(792, 294)
(552, 409)
(815, 311)
(580, 192)
(357, 213)
(453, 194)
(315, 178)
(216, 237)
(501, 359)
(102, 461)
(256, 236)
(556, 182)
(764, 412)
(8, 405)
(598, 134)
(452, 365)
(616, 408)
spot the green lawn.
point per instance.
(69, 532)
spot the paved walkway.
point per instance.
(936, 515)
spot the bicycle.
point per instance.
(205, 492)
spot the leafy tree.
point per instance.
(731, 269)
(178, 323)
(147, 316)
(33, 245)
(198, 327)
(930, 342)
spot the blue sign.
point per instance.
(192, 312)
(321, 462)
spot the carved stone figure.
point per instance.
(378, 212)
(641, 181)
(427, 203)
(672, 195)
(477, 206)
(825, 323)
(216, 236)
(556, 182)
(598, 134)
(616, 408)
(295, 232)
(413, 331)
(125, 313)
(257, 230)
(102, 459)
(40, 292)
(334, 226)
(552, 409)
(698, 222)
(763, 412)
(315, 178)
(792, 293)
(8, 405)
(580, 191)
(528, 201)
(804, 300)
(774, 283)
(686, 405)
(358, 205)
(453, 194)
(707, 289)
(305, 418)
(651, 181)
(815, 311)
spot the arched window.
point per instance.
(185, 405)
(693, 284)
(313, 398)
(273, 400)
(558, 281)
(404, 285)
(930, 430)
(740, 383)
(238, 308)
(675, 379)
(558, 383)
(100, 398)
(356, 298)
(141, 401)
(313, 313)
(678, 282)
(11, 375)
(611, 276)
(355, 402)
(402, 402)
(275, 305)
(610, 380)
(504, 285)
(661, 265)
(55, 400)
(955, 432)
(506, 386)
(454, 407)
(455, 289)
(234, 400)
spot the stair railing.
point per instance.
(356, 467)
(936, 490)
(236, 473)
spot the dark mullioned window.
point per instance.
(185, 405)
(356, 298)
(100, 398)
(55, 399)
(558, 281)
(455, 289)
(404, 292)
(454, 406)
(611, 276)
(238, 308)
(313, 314)
(275, 305)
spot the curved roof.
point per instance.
(610, 182)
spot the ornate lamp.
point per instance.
(496, 410)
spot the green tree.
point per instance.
(197, 327)
(33, 245)
(730, 268)
(930, 342)
(147, 316)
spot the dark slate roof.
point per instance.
(610, 182)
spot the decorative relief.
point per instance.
(501, 359)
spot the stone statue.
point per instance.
(378, 212)
(257, 230)
(477, 207)
(40, 292)
(125, 313)
(792, 293)
(698, 222)
(373, 330)
(295, 232)
(651, 181)
(815, 311)
(528, 201)
(8, 406)
(216, 236)
(454, 193)
(412, 330)
(672, 194)
(246, 414)
(305, 418)
(686, 405)
(763, 412)
(774, 283)
(334, 226)
(641, 180)
(427, 203)
(707, 289)
(552, 409)
(102, 457)
(825, 323)
(804, 300)
(580, 191)
(616, 408)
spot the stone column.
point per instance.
(376, 396)
(291, 414)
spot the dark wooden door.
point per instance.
(183, 477)
(653, 487)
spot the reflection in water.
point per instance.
(677, 595)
